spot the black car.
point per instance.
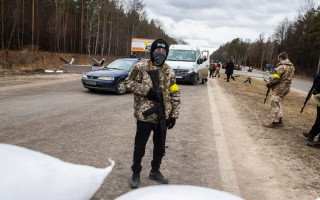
(110, 77)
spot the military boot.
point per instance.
(280, 123)
(157, 176)
(314, 144)
(305, 134)
(135, 180)
(271, 125)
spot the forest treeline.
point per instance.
(94, 27)
(300, 38)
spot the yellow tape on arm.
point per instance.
(276, 76)
(174, 88)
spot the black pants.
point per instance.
(211, 73)
(316, 126)
(228, 77)
(142, 135)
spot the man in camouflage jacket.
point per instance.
(280, 84)
(139, 82)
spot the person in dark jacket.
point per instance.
(229, 70)
(315, 130)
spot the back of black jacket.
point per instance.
(229, 67)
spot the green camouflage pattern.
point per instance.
(139, 82)
(281, 86)
(276, 108)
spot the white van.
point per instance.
(188, 63)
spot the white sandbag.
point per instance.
(177, 192)
(28, 174)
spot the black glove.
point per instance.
(152, 95)
(171, 122)
(268, 85)
(315, 92)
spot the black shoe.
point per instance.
(135, 180)
(308, 136)
(305, 134)
(157, 176)
(314, 144)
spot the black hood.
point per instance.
(159, 43)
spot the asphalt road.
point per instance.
(297, 84)
(210, 146)
(64, 120)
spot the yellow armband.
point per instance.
(276, 76)
(174, 88)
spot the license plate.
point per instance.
(178, 76)
(90, 82)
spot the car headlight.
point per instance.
(192, 69)
(84, 76)
(106, 78)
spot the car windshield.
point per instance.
(182, 55)
(121, 64)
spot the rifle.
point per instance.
(158, 108)
(267, 92)
(247, 80)
(307, 98)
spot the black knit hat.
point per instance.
(159, 43)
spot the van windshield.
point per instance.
(182, 55)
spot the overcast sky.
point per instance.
(215, 22)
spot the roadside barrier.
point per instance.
(78, 68)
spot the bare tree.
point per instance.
(2, 24)
(32, 40)
(16, 14)
(306, 6)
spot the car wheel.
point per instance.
(195, 80)
(120, 88)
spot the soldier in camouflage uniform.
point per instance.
(315, 130)
(280, 84)
(139, 82)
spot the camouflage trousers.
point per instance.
(217, 72)
(276, 108)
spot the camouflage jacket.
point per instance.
(139, 82)
(281, 80)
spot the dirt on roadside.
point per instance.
(26, 62)
(285, 147)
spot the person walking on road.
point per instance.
(229, 70)
(218, 67)
(211, 69)
(145, 97)
(280, 84)
(315, 130)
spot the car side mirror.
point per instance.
(200, 61)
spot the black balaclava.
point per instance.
(158, 58)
